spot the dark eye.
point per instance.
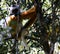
(15, 11)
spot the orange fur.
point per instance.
(29, 14)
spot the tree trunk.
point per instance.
(48, 49)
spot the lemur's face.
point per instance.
(14, 10)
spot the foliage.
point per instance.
(46, 27)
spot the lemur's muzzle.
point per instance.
(14, 10)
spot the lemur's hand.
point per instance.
(22, 33)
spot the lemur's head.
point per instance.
(14, 10)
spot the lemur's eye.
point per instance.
(15, 11)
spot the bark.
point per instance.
(48, 48)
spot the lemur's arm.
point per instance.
(29, 14)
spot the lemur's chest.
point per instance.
(14, 23)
